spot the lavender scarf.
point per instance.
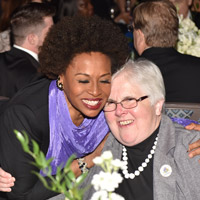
(66, 138)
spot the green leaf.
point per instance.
(64, 181)
(68, 183)
(71, 176)
(23, 140)
(36, 148)
(69, 161)
(80, 179)
(20, 137)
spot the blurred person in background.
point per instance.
(184, 8)
(29, 26)
(7, 9)
(71, 8)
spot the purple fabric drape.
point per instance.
(183, 122)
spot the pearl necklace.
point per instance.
(140, 169)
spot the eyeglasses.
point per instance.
(126, 103)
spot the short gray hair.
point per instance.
(145, 74)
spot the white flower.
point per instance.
(103, 195)
(100, 195)
(188, 37)
(106, 181)
(107, 155)
(98, 160)
(115, 196)
(117, 163)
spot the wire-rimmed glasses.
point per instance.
(126, 103)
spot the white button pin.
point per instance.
(166, 170)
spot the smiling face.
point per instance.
(132, 126)
(86, 85)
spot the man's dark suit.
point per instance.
(196, 18)
(17, 68)
(181, 73)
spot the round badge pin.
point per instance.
(166, 170)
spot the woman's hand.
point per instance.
(6, 181)
(194, 148)
(193, 126)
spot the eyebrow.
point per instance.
(89, 75)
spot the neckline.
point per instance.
(144, 145)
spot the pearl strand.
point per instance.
(140, 169)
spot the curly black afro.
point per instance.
(75, 35)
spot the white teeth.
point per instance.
(91, 103)
(125, 122)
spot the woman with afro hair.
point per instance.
(63, 110)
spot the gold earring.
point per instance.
(59, 85)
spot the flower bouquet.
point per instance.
(107, 180)
(188, 37)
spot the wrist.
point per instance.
(83, 166)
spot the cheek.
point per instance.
(142, 118)
(145, 121)
(105, 90)
(111, 120)
(72, 90)
(109, 117)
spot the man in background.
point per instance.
(155, 34)
(183, 7)
(29, 26)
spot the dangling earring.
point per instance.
(59, 85)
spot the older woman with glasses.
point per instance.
(154, 148)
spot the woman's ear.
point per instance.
(61, 78)
(159, 107)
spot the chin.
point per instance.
(92, 114)
(128, 141)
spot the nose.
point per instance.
(94, 90)
(120, 110)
